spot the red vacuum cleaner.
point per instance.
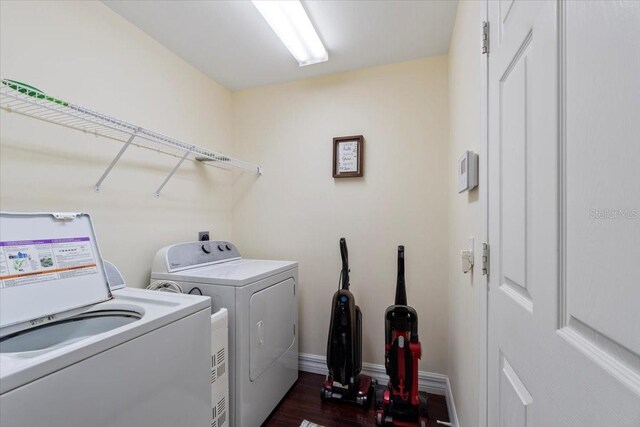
(400, 403)
(344, 345)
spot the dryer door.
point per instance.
(272, 313)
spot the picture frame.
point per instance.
(348, 160)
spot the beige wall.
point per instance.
(86, 53)
(465, 211)
(298, 211)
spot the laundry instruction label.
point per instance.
(30, 261)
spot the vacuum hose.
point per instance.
(401, 292)
(344, 253)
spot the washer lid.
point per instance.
(49, 264)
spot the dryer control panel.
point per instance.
(193, 254)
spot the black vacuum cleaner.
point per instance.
(344, 345)
(400, 403)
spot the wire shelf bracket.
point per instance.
(31, 102)
(175, 168)
(114, 161)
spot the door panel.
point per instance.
(602, 170)
(517, 67)
(563, 150)
(515, 400)
(505, 9)
(513, 163)
(272, 325)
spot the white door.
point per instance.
(564, 214)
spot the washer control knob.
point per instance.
(228, 247)
(220, 248)
(206, 248)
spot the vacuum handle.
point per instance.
(401, 292)
(344, 253)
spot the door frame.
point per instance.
(483, 293)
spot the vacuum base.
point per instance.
(399, 413)
(359, 395)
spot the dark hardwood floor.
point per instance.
(303, 403)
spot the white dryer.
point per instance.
(75, 354)
(261, 297)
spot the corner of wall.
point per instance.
(465, 211)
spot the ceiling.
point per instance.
(230, 41)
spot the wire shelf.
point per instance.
(22, 99)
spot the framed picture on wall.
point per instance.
(348, 158)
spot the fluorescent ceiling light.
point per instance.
(291, 23)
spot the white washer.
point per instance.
(74, 354)
(261, 297)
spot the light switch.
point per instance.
(466, 261)
(466, 257)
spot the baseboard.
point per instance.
(451, 406)
(430, 382)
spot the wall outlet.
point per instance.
(203, 235)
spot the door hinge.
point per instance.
(485, 259)
(485, 37)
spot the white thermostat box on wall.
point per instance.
(467, 171)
